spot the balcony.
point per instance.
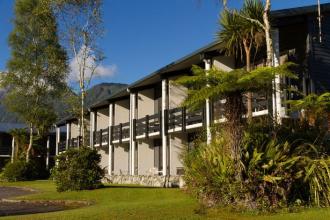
(61, 146)
(150, 125)
(101, 137)
(75, 142)
(120, 133)
(260, 106)
(179, 119)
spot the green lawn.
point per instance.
(119, 202)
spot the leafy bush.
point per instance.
(287, 166)
(280, 167)
(210, 174)
(78, 169)
(20, 170)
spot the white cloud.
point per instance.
(101, 71)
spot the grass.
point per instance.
(124, 202)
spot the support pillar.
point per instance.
(277, 101)
(110, 139)
(164, 123)
(47, 157)
(132, 138)
(57, 139)
(12, 149)
(67, 136)
(92, 129)
(208, 109)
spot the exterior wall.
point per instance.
(74, 130)
(5, 143)
(104, 152)
(146, 157)
(145, 103)
(102, 118)
(177, 94)
(319, 59)
(121, 113)
(224, 63)
(178, 141)
(121, 161)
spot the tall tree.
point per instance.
(81, 28)
(37, 67)
(265, 25)
(238, 35)
(231, 86)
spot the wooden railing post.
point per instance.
(100, 138)
(111, 134)
(184, 119)
(120, 132)
(134, 129)
(147, 126)
(160, 121)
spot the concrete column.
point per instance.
(132, 141)
(12, 149)
(164, 122)
(208, 109)
(67, 135)
(110, 138)
(277, 102)
(47, 157)
(92, 129)
(57, 139)
(79, 134)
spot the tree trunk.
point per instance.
(28, 151)
(82, 130)
(269, 42)
(247, 49)
(234, 108)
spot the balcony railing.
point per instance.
(260, 104)
(101, 136)
(75, 142)
(195, 117)
(5, 150)
(120, 132)
(176, 118)
(147, 125)
(180, 117)
(61, 146)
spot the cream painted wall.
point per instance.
(104, 152)
(146, 103)
(225, 63)
(177, 94)
(145, 157)
(177, 143)
(121, 113)
(102, 118)
(74, 129)
(121, 153)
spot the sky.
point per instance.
(142, 36)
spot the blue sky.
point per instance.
(144, 35)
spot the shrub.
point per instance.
(210, 174)
(78, 169)
(20, 170)
(16, 171)
(290, 165)
(280, 167)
